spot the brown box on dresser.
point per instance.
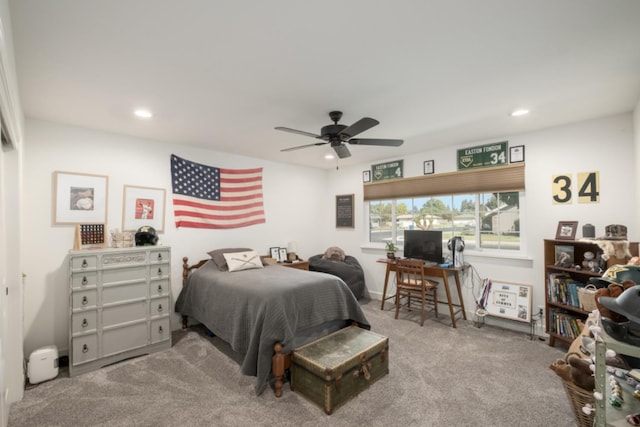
(336, 368)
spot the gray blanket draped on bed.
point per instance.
(254, 309)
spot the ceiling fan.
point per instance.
(337, 135)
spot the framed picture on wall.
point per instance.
(428, 167)
(143, 206)
(366, 176)
(80, 198)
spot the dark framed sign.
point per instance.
(388, 170)
(428, 167)
(516, 154)
(483, 156)
(344, 210)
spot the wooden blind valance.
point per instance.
(487, 180)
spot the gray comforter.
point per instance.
(254, 309)
(348, 270)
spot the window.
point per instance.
(484, 220)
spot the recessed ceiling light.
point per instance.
(143, 114)
(328, 156)
(520, 112)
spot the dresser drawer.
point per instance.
(123, 275)
(159, 288)
(123, 313)
(125, 338)
(84, 280)
(123, 293)
(84, 322)
(159, 307)
(81, 263)
(124, 259)
(160, 330)
(85, 349)
(161, 271)
(159, 256)
(84, 299)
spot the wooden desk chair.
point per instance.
(412, 284)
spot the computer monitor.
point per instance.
(423, 244)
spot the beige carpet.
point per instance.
(439, 376)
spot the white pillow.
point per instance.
(238, 261)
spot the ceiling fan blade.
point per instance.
(303, 146)
(361, 125)
(382, 142)
(342, 151)
(299, 132)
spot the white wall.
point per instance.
(604, 145)
(293, 212)
(300, 206)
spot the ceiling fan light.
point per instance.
(519, 112)
(329, 156)
(143, 113)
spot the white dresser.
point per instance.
(120, 305)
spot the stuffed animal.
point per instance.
(613, 290)
(580, 372)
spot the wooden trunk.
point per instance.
(334, 369)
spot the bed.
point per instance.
(264, 313)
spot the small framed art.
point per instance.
(366, 176)
(282, 254)
(274, 252)
(143, 206)
(80, 198)
(428, 167)
(516, 154)
(566, 230)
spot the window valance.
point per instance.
(487, 180)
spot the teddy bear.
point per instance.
(613, 290)
(578, 370)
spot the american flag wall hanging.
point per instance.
(210, 197)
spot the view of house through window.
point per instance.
(488, 221)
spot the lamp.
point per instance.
(292, 248)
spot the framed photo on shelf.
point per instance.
(564, 256)
(366, 176)
(80, 198)
(428, 167)
(282, 254)
(516, 154)
(566, 230)
(143, 206)
(274, 252)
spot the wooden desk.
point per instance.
(431, 271)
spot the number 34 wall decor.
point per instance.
(585, 187)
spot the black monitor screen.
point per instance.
(423, 244)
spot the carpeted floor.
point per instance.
(439, 376)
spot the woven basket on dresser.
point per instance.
(579, 397)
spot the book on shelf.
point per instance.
(565, 324)
(563, 289)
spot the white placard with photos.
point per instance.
(143, 206)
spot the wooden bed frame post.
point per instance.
(277, 367)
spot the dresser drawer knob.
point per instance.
(159, 308)
(160, 330)
(84, 281)
(159, 257)
(84, 263)
(159, 272)
(159, 289)
(85, 323)
(85, 348)
(85, 301)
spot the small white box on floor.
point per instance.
(43, 364)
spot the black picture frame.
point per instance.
(428, 167)
(516, 154)
(282, 254)
(344, 210)
(274, 252)
(566, 230)
(366, 176)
